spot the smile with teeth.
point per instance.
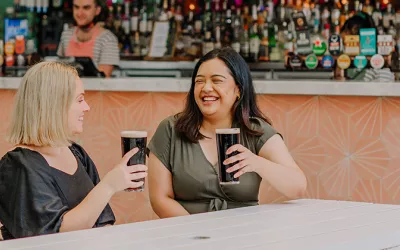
(209, 98)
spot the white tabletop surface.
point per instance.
(301, 224)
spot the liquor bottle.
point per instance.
(316, 19)
(377, 14)
(254, 43)
(207, 17)
(368, 8)
(263, 54)
(335, 17)
(388, 17)
(244, 42)
(344, 15)
(236, 32)
(217, 44)
(208, 44)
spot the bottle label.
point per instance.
(368, 41)
(319, 47)
(386, 21)
(385, 44)
(360, 62)
(344, 61)
(57, 3)
(207, 47)
(20, 60)
(327, 62)
(334, 45)
(377, 61)
(295, 62)
(134, 23)
(236, 46)
(10, 61)
(352, 45)
(143, 26)
(254, 45)
(9, 48)
(197, 26)
(244, 48)
(311, 61)
(303, 42)
(149, 26)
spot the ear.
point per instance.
(237, 91)
(98, 10)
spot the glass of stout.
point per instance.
(130, 140)
(225, 139)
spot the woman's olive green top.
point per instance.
(195, 180)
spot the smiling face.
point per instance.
(85, 11)
(215, 90)
(78, 109)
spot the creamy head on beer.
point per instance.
(228, 131)
(133, 134)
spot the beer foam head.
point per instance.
(228, 131)
(133, 134)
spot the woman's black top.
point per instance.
(35, 196)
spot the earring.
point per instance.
(238, 97)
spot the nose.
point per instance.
(86, 107)
(208, 86)
(79, 12)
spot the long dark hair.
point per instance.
(359, 21)
(190, 119)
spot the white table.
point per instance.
(301, 224)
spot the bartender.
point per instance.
(89, 39)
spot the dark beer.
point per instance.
(225, 139)
(130, 140)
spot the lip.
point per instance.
(210, 97)
(209, 102)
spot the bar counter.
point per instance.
(275, 87)
(344, 135)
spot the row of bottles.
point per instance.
(260, 30)
(30, 30)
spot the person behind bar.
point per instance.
(48, 183)
(183, 159)
(352, 27)
(88, 39)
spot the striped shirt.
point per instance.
(379, 75)
(105, 51)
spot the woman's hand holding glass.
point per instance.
(122, 176)
(246, 161)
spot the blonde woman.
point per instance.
(49, 184)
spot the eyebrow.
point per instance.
(81, 94)
(84, 6)
(212, 76)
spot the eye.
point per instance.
(199, 81)
(217, 81)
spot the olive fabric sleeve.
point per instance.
(267, 130)
(160, 144)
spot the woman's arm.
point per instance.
(161, 192)
(279, 168)
(274, 164)
(85, 215)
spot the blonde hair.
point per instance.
(40, 115)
